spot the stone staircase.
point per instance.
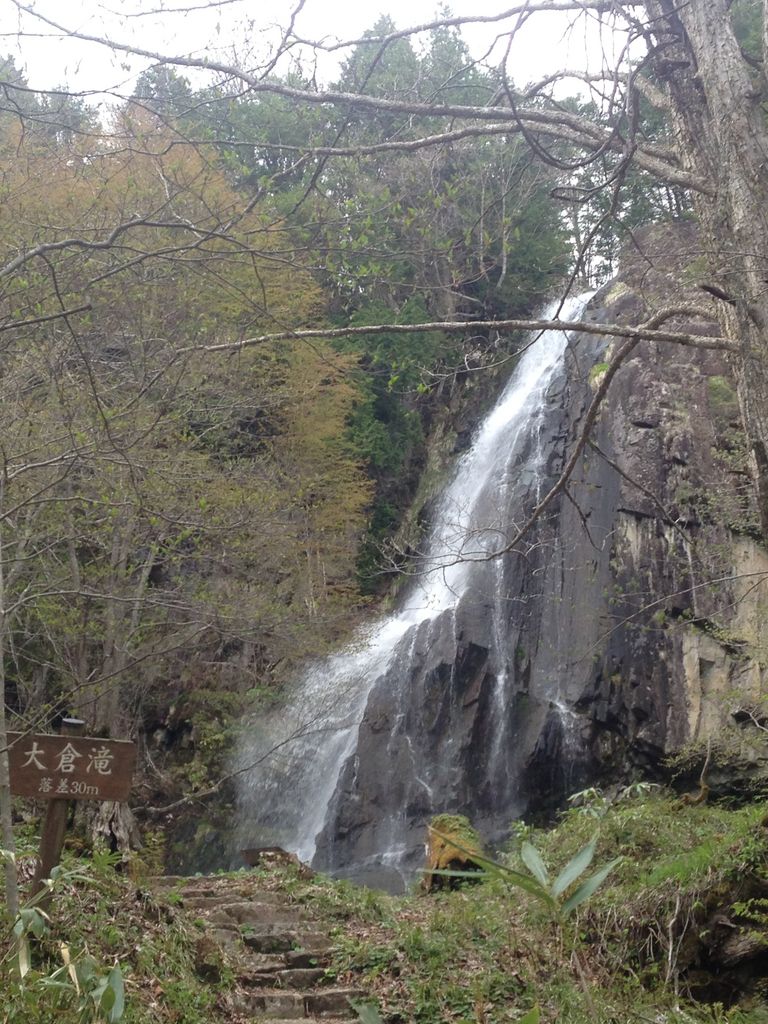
(278, 950)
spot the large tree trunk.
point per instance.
(722, 135)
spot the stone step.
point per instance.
(281, 953)
(200, 892)
(305, 958)
(274, 1003)
(256, 915)
(197, 900)
(265, 962)
(245, 909)
(314, 942)
(170, 881)
(270, 942)
(275, 940)
(297, 978)
(332, 1002)
(226, 937)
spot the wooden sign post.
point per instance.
(64, 767)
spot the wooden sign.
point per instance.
(45, 766)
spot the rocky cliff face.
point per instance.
(634, 614)
(687, 596)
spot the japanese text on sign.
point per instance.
(50, 767)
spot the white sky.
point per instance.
(244, 31)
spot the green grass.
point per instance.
(488, 953)
(109, 918)
(483, 954)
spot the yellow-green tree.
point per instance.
(157, 504)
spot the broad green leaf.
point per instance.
(59, 986)
(24, 959)
(85, 971)
(574, 868)
(98, 993)
(516, 878)
(367, 1013)
(532, 860)
(496, 870)
(528, 884)
(532, 1017)
(586, 889)
(116, 986)
(37, 924)
(107, 1001)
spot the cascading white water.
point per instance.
(299, 751)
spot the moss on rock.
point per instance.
(451, 844)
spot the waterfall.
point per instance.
(311, 767)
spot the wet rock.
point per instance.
(611, 650)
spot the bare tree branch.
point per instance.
(640, 333)
(19, 324)
(560, 124)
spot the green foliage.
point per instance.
(105, 991)
(398, 361)
(367, 1013)
(473, 233)
(754, 910)
(532, 1017)
(537, 883)
(212, 716)
(476, 225)
(458, 827)
(104, 951)
(685, 867)
(426, 954)
(180, 515)
(393, 71)
(36, 990)
(476, 954)
(605, 223)
(591, 802)
(381, 431)
(163, 91)
(747, 20)
(723, 400)
(384, 428)
(217, 506)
